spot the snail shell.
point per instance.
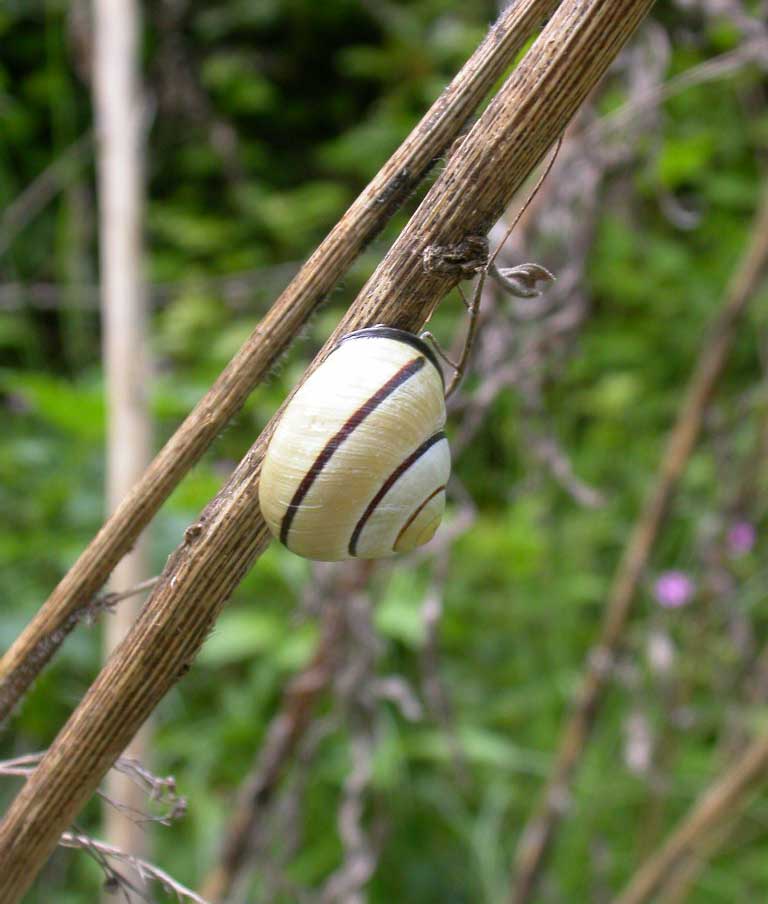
(358, 463)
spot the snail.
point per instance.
(358, 462)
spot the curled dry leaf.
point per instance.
(524, 280)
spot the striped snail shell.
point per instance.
(358, 462)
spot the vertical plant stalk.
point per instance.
(120, 156)
(365, 218)
(539, 833)
(726, 796)
(530, 111)
(674, 887)
(675, 883)
(284, 735)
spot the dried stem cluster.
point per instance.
(727, 795)
(365, 218)
(530, 111)
(538, 836)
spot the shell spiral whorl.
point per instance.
(358, 463)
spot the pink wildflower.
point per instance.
(741, 538)
(673, 589)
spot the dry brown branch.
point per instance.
(540, 830)
(282, 739)
(728, 794)
(43, 189)
(243, 834)
(364, 219)
(356, 700)
(749, 683)
(675, 887)
(530, 111)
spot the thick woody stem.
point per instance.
(531, 110)
(539, 833)
(365, 218)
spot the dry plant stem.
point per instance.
(727, 794)
(473, 305)
(39, 193)
(530, 111)
(364, 219)
(283, 737)
(120, 157)
(538, 835)
(104, 853)
(108, 600)
(675, 887)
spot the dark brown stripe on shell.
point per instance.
(416, 514)
(346, 430)
(390, 332)
(387, 486)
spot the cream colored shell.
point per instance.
(358, 463)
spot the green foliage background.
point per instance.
(317, 96)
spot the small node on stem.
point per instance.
(521, 281)
(464, 258)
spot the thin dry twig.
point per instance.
(753, 50)
(473, 306)
(240, 290)
(364, 219)
(147, 872)
(531, 109)
(160, 791)
(283, 736)
(87, 614)
(538, 834)
(356, 696)
(727, 794)
(157, 790)
(109, 599)
(43, 189)
(748, 682)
